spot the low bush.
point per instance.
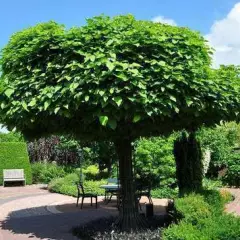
(192, 208)
(225, 227)
(183, 231)
(67, 185)
(201, 216)
(13, 155)
(45, 172)
(91, 172)
(165, 192)
(211, 184)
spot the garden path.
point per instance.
(33, 212)
(234, 206)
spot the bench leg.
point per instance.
(96, 201)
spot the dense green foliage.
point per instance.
(232, 176)
(154, 162)
(45, 172)
(67, 185)
(112, 74)
(201, 217)
(189, 167)
(223, 141)
(13, 155)
(11, 137)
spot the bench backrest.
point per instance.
(13, 173)
(112, 181)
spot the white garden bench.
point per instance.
(13, 175)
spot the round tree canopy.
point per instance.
(112, 77)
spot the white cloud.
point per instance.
(162, 19)
(224, 37)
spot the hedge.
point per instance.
(13, 155)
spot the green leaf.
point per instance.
(162, 63)
(46, 105)
(173, 98)
(111, 90)
(110, 65)
(101, 92)
(122, 76)
(189, 102)
(109, 42)
(112, 123)
(56, 110)
(2, 105)
(32, 103)
(9, 92)
(136, 118)
(103, 120)
(92, 58)
(25, 106)
(86, 98)
(117, 100)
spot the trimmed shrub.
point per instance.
(13, 155)
(67, 185)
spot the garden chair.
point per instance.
(143, 191)
(83, 194)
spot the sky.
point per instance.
(217, 20)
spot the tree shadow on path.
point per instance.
(51, 226)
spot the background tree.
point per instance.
(112, 79)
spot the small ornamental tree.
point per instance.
(189, 167)
(112, 79)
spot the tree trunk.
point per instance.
(129, 218)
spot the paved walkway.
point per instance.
(28, 212)
(32, 212)
(234, 206)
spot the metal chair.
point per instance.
(143, 191)
(82, 194)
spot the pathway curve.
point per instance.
(234, 206)
(25, 213)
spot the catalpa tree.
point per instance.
(112, 79)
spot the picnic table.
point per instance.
(112, 189)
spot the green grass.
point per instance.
(13, 155)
